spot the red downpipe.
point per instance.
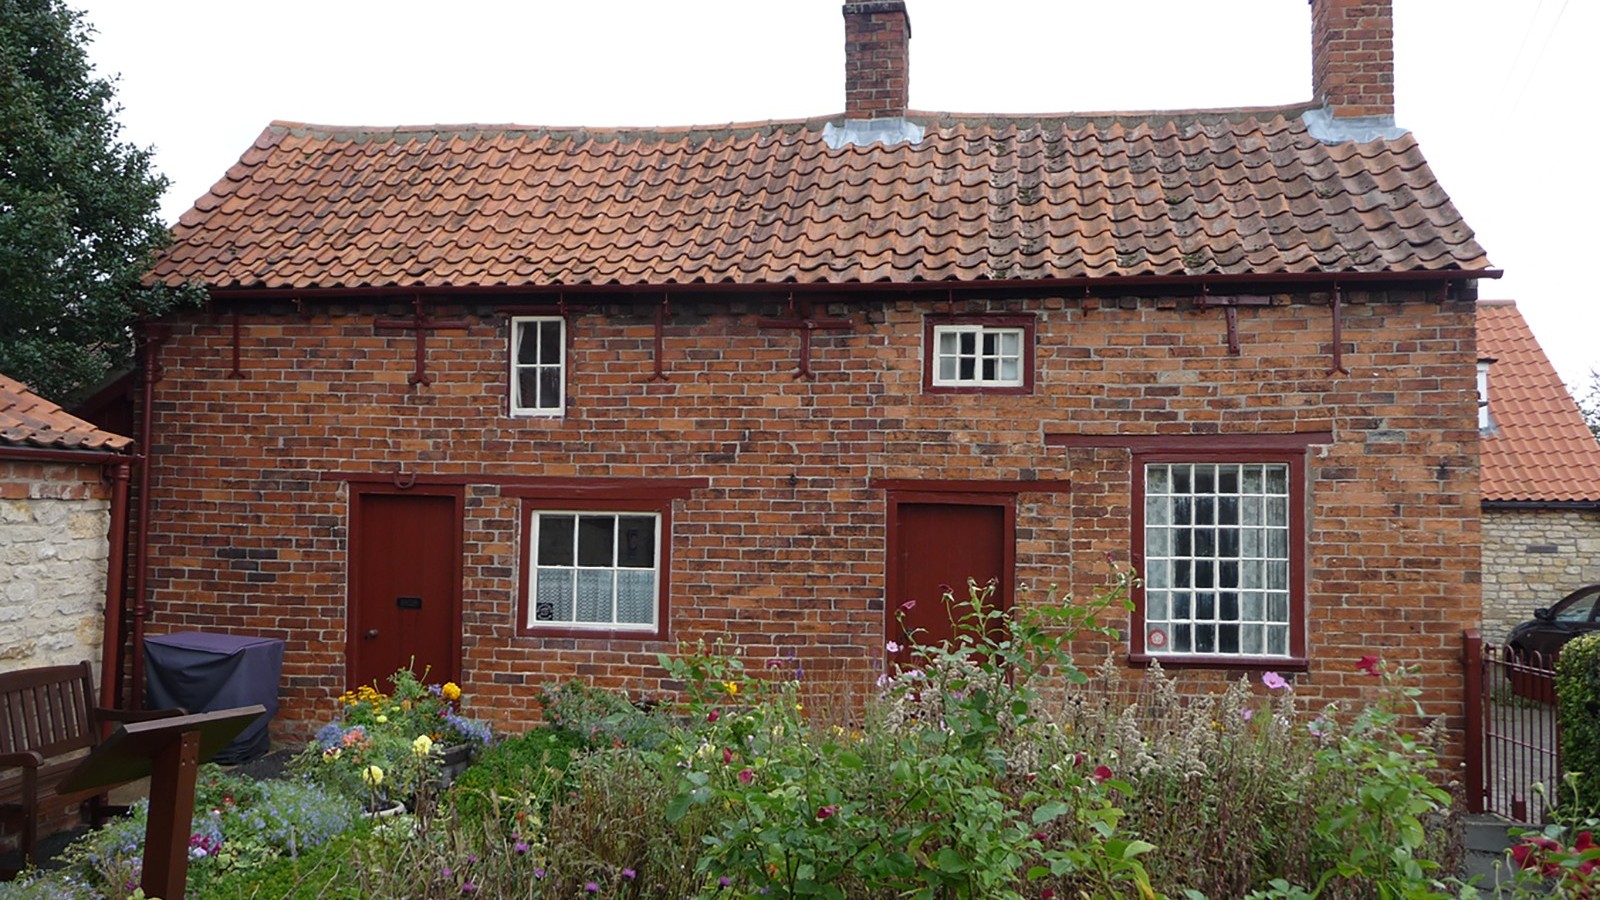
(141, 551)
(111, 644)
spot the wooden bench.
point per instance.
(47, 716)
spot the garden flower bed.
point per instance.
(993, 768)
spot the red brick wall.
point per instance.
(877, 38)
(1352, 56)
(784, 551)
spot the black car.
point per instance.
(1577, 613)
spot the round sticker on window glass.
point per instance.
(1157, 639)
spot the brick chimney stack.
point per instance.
(877, 39)
(1352, 57)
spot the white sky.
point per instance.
(1499, 92)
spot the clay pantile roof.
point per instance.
(29, 420)
(1539, 450)
(978, 198)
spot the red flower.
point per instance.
(1046, 894)
(1102, 773)
(1369, 665)
(727, 756)
(747, 775)
(827, 812)
(1041, 837)
(713, 716)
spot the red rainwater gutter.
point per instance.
(141, 548)
(111, 644)
(119, 464)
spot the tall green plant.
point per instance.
(1578, 707)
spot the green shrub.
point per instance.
(601, 718)
(516, 774)
(1578, 706)
(324, 871)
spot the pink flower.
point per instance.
(713, 716)
(1274, 681)
(1247, 714)
(746, 775)
(909, 605)
(1369, 665)
(892, 647)
(727, 756)
(828, 812)
(1102, 773)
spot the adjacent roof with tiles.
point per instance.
(29, 420)
(1120, 195)
(1539, 449)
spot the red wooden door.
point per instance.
(405, 587)
(935, 545)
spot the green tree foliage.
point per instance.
(1589, 402)
(78, 208)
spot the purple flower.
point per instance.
(469, 888)
(629, 874)
(538, 873)
(724, 881)
(520, 847)
(1275, 682)
(1247, 714)
(472, 858)
(448, 872)
(591, 887)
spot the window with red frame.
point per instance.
(1219, 549)
(978, 353)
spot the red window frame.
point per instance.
(1298, 537)
(600, 495)
(993, 320)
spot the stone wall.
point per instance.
(1532, 558)
(54, 519)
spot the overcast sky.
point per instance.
(1499, 92)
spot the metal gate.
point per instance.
(1512, 734)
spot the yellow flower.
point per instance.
(731, 687)
(451, 691)
(422, 746)
(373, 776)
(383, 720)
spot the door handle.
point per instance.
(372, 634)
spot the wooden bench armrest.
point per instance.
(136, 715)
(22, 759)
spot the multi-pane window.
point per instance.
(595, 570)
(1217, 558)
(978, 356)
(538, 366)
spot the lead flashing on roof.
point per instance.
(1329, 129)
(866, 132)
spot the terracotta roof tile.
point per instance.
(1540, 448)
(29, 420)
(1185, 194)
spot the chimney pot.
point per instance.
(877, 37)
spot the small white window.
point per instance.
(595, 570)
(977, 356)
(538, 366)
(1484, 420)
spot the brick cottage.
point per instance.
(528, 404)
